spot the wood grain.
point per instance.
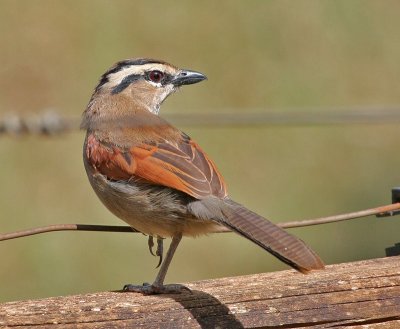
(363, 294)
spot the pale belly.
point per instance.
(151, 210)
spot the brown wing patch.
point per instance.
(181, 165)
(111, 162)
(208, 168)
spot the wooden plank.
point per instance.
(362, 294)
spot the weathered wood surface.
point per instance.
(362, 294)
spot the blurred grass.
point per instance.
(276, 54)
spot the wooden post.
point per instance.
(363, 294)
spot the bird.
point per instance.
(157, 179)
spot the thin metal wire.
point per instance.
(51, 123)
(290, 117)
(388, 209)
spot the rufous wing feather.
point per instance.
(181, 165)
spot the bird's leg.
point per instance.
(159, 281)
(158, 286)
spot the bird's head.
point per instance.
(147, 82)
(132, 88)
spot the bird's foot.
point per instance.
(152, 289)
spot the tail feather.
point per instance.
(272, 238)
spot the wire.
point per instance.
(290, 117)
(391, 210)
(51, 123)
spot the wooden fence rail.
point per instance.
(363, 294)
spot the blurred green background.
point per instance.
(261, 56)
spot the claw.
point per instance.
(158, 286)
(159, 251)
(150, 243)
(151, 289)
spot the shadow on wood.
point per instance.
(206, 310)
(362, 294)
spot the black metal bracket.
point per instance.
(395, 199)
(393, 250)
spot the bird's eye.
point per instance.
(156, 76)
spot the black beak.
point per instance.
(187, 77)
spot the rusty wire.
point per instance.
(387, 210)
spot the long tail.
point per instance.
(272, 238)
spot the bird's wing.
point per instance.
(180, 165)
(185, 167)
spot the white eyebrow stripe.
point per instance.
(116, 78)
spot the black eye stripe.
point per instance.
(167, 79)
(134, 77)
(125, 83)
(119, 66)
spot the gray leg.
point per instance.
(158, 286)
(159, 281)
